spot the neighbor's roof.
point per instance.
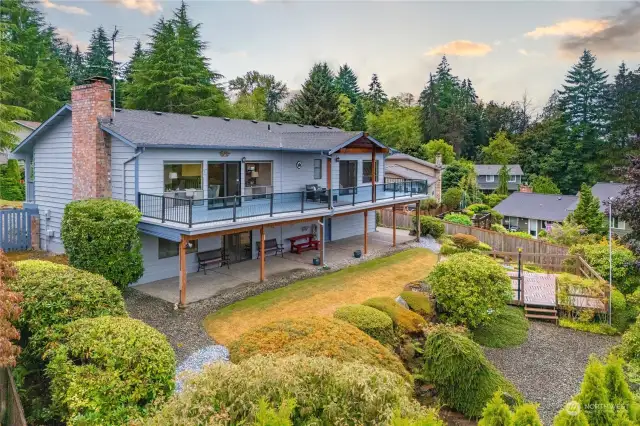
(406, 173)
(604, 191)
(151, 129)
(494, 169)
(400, 156)
(537, 206)
(28, 124)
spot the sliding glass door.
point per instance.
(223, 182)
(348, 176)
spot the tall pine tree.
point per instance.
(318, 102)
(376, 98)
(134, 61)
(359, 119)
(347, 83)
(99, 60)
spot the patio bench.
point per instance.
(271, 246)
(298, 246)
(211, 256)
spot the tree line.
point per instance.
(585, 132)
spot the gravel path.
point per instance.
(549, 367)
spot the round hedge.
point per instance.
(459, 218)
(467, 286)
(462, 375)
(419, 303)
(55, 295)
(106, 370)
(373, 322)
(325, 391)
(101, 236)
(430, 225)
(315, 336)
(465, 241)
(404, 320)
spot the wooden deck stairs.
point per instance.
(546, 313)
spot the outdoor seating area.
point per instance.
(271, 246)
(210, 257)
(302, 243)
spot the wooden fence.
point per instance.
(11, 412)
(15, 229)
(404, 220)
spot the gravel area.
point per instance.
(549, 367)
(430, 243)
(195, 362)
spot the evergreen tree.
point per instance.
(625, 119)
(174, 76)
(11, 187)
(567, 418)
(98, 59)
(429, 111)
(42, 85)
(135, 59)
(78, 68)
(587, 212)
(526, 415)
(544, 185)
(376, 98)
(620, 396)
(318, 101)
(496, 412)
(593, 396)
(347, 83)
(359, 118)
(503, 179)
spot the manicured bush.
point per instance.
(588, 327)
(418, 302)
(315, 336)
(55, 295)
(499, 228)
(630, 346)
(449, 249)
(623, 314)
(11, 187)
(373, 322)
(465, 241)
(508, 328)
(452, 198)
(493, 200)
(430, 225)
(326, 392)
(484, 246)
(106, 370)
(9, 313)
(428, 204)
(478, 207)
(521, 234)
(101, 236)
(526, 415)
(625, 271)
(593, 396)
(462, 375)
(404, 320)
(467, 286)
(458, 218)
(618, 392)
(496, 412)
(568, 417)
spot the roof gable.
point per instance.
(51, 122)
(494, 169)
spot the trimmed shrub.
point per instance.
(589, 327)
(467, 286)
(465, 241)
(508, 328)
(478, 207)
(567, 417)
(593, 397)
(452, 198)
(462, 375)
(428, 204)
(496, 413)
(521, 234)
(484, 246)
(623, 314)
(106, 370)
(373, 322)
(315, 336)
(404, 320)
(420, 303)
(449, 249)
(101, 236)
(430, 225)
(526, 415)
(493, 200)
(55, 295)
(11, 187)
(326, 391)
(625, 272)
(499, 228)
(618, 391)
(630, 346)
(458, 218)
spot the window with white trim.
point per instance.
(617, 223)
(489, 178)
(317, 168)
(168, 248)
(513, 178)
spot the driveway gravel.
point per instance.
(549, 367)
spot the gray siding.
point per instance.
(351, 225)
(121, 152)
(53, 181)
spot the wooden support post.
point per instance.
(373, 173)
(329, 160)
(321, 245)
(393, 222)
(366, 226)
(418, 221)
(182, 253)
(261, 253)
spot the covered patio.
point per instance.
(217, 280)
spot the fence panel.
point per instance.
(15, 230)
(403, 220)
(11, 412)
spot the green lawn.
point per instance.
(509, 328)
(320, 296)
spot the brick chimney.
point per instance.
(91, 148)
(525, 188)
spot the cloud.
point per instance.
(70, 37)
(460, 48)
(147, 7)
(523, 52)
(74, 10)
(620, 36)
(571, 27)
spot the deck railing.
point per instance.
(236, 208)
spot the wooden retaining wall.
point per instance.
(11, 412)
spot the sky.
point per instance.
(504, 47)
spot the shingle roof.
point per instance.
(28, 124)
(406, 173)
(511, 186)
(604, 190)
(537, 206)
(494, 169)
(150, 129)
(401, 156)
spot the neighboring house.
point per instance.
(605, 191)
(403, 166)
(488, 176)
(203, 183)
(531, 213)
(25, 128)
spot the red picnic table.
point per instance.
(302, 243)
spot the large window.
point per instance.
(489, 178)
(167, 248)
(182, 176)
(317, 169)
(258, 178)
(366, 171)
(617, 223)
(513, 178)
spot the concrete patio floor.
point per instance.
(201, 286)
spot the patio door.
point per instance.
(223, 182)
(533, 227)
(237, 246)
(348, 179)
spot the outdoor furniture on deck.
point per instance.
(271, 246)
(298, 245)
(212, 256)
(315, 193)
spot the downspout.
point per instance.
(124, 176)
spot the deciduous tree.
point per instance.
(438, 146)
(544, 185)
(500, 150)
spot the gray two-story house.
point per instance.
(207, 183)
(488, 177)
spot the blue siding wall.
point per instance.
(53, 181)
(121, 152)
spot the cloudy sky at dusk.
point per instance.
(505, 47)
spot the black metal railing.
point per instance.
(190, 211)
